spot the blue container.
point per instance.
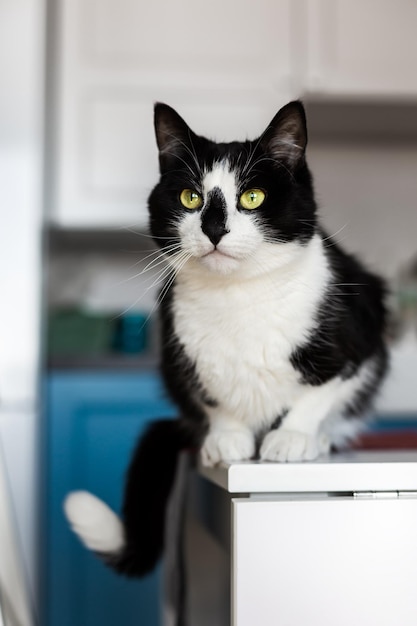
(131, 335)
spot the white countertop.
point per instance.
(347, 472)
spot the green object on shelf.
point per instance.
(73, 332)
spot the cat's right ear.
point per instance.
(173, 135)
(285, 139)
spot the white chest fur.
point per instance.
(241, 331)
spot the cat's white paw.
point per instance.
(284, 445)
(227, 445)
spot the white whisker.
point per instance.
(162, 258)
(336, 233)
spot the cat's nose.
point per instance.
(214, 231)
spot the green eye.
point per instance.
(191, 199)
(252, 199)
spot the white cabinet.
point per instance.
(364, 48)
(226, 67)
(321, 543)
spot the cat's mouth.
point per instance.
(218, 254)
(220, 261)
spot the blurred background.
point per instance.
(78, 280)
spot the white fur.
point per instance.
(240, 310)
(227, 440)
(313, 422)
(290, 445)
(259, 321)
(95, 523)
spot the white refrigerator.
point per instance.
(22, 49)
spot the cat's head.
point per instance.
(228, 206)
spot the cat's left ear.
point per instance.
(285, 139)
(173, 135)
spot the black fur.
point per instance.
(149, 481)
(350, 326)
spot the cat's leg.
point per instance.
(299, 438)
(228, 439)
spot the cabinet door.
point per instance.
(323, 562)
(226, 66)
(93, 422)
(361, 48)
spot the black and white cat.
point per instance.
(272, 336)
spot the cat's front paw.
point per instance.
(227, 445)
(284, 445)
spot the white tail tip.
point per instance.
(94, 522)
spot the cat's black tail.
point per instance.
(133, 545)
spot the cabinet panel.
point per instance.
(228, 64)
(199, 36)
(118, 153)
(322, 562)
(362, 48)
(93, 422)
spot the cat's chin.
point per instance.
(220, 262)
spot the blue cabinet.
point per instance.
(92, 422)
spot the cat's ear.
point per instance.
(172, 133)
(285, 139)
